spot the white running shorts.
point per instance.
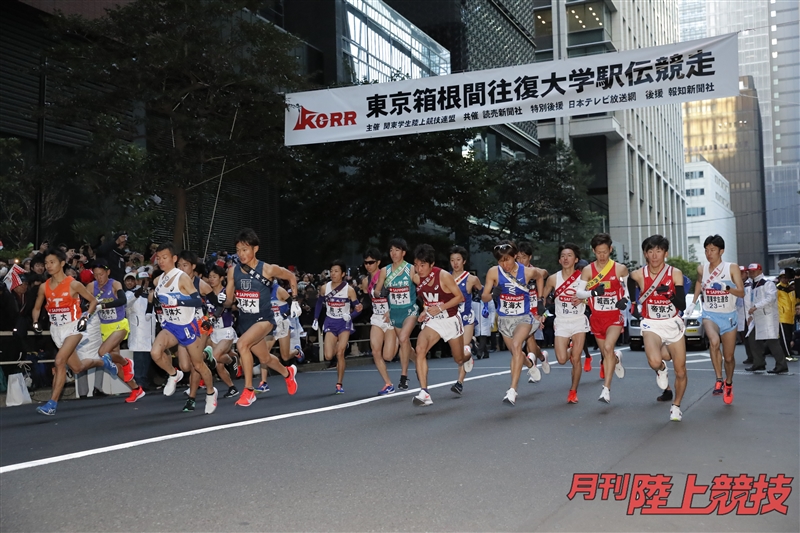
(569, 326)
(670, 330)
(448, 328)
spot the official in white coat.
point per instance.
(763, 308)
(140, 339)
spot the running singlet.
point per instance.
(433, 294)
(658, 306)
(402, 291)
(105, 295)
(61, 306)
(462, 281)
(224, 321)
(252, 296)
(515, 299)
(168, 290)
(337, 303)
(279, 307)
(564, 305)
(380, 306)
(607, 303)
(718, 301)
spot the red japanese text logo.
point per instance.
(313, 120)
(742, 494)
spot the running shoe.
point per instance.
(189, 405)
(666, 396)
(388, 389)
(109, 365)
(727, 396)
(291, 379)
(211, 363)
(211, 402)
(48, 409)
(618, 368)
(339, 388)
(403, 385)
(510, 397)
(605, 395)
(587, 364)
(135, 395)
(232, 392)
(717, 388)
(602, 371)
(457, 387)
(127, 371)
(545, 363)
(423, 398)
(300, 355)
(201, 384)
(675, 414)
(534, 375)
(262, 387)
(172, 382)
(247, 398)
(662, 377)
(469, 363)
(237, 368)
(572, 397)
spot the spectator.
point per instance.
(786, 303)
(140, 339)
(37, 264)
(483, 326)
(114, 251)
(795, 347)
(764, 312)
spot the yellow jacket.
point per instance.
(786, 303)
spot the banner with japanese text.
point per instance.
(669, 74)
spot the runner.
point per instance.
(61, 296)
(179, 300)
(222, 337)
(281, 309)
(607, 292)
(251, 280)
(440, 319)
(382, 336)
(114, 327)
(508, 286)
(721, 285)
(661, 298)
(535, 288)
(400, 281)
(468, 284)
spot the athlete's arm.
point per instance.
(586, 273)
(275, 271)
(622, 276)
(474, 282)
(205, 288)
(355, 305)
(231, 292)
(679, 298)
(76, 287)
(37, 307)
(449, 285)
(549, 287)
(121, 300)
(698, 286)
(736, 277)
(191, 296)
(491, 281)
(282, 294)
(376, 290)
(414, 276)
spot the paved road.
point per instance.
(320, 462)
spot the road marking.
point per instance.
(201, 431)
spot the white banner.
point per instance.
(670, 74)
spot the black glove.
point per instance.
(476, 295)
(384, 292)
(82, 322)
(206, 323)
(540, 307)
(622, 304)
(635, 312)
(662, 289)
(37, 329)
(599, 290)
(218, 310)
(496, 292)
(532, 284)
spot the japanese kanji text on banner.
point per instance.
(681, 72)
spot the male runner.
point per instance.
(721, 284)
(662, 296)
(281, 310)
(607, 292)
(179, 300)
(400, 281)
(250, 283)
(508, 286)
(61, 296)
(571, 321)
(441, 298)
(222, 337)
(468, 284)
(535, 288)
(342, 306)
(382, 336)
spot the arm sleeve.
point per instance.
(632, 286)
(193, 300)
(119, 302)
(318, 307)
(679, 298)
(626, 290)
(353, 312)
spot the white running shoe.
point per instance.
(510, 397)
(211, 402)
(545, 364)
(605, 396)
(675, 414)
(534, 375)
(172, 382)
(423, 398)
(662, 377)
(618, 369)
(469, 363)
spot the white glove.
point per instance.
(346, 317)
(689, 310)
(296, 309)
(315, 325)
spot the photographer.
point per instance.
(116, 253)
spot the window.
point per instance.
(777, 122)
(695, 211)
(695, 192)
(544, 29)
(777, 136)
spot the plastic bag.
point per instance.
(17, 391)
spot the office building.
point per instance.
(708, 209)
(783, 214)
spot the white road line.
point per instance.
(152, 440)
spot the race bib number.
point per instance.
(399, 296)
(336, 309)
(512, 304)
(248, 301)
(380, 306)
(60, 316)
(605, 303)
(170, 313)
(534, 302)
(715, 299)
(566, 308)
(660, 311)
(107, 314)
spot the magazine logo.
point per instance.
(313, 120)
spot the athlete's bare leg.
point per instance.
(253, 337)
(335, 346)
(383, 346)
(609, 359)
(426, 339)
(67, 356)
(404, 340)
(518, 357)
(564, 354)
(111, 346)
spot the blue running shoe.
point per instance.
(48, 409)
(339, 388)
(262, 387)
(300, 355)
(109, 365)
(388, 389)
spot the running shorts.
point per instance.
(398, 315)
(185, 334)
(281, 328)
(507, 325)
(448, 328)
(120, 325)
(223, 334)
(725, 321)
(467, 319)
(535, 324)
(60, 333)
(337, 326)
(670, 330)
(569, 326)
(600, 321)
(379, 321)
(248, 320)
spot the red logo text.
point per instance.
(313, 120)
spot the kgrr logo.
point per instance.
(313, 120)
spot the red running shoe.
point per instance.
(717, 388)
(602, 371)
(727, 396)
(135, 394)
(127, 371)
(247, 398)
(291, 381)
(572, 397)
(587, 365)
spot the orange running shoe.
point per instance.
(135, 394)
(247, 398)
(602, 371)
(587, 365)
(291, 381)
(727, 395)
(573, 396)
(201, 384)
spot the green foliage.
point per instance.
(689, 268)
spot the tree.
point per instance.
(196, 84)
(689, 269)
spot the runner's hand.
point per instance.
(662, 289)
(599, 290)
(384, 292)
(689, 310)
(315, 325)
(296, 309)
(346, 317)
(485, 310)
(622, 304)
(717, 286)
(37, 329)
(496, 292)
(82, 322)
(635, 311)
